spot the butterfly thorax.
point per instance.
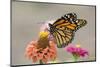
(52, 28)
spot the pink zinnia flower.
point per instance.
(76, 51)
(44, 49)
(46, 54)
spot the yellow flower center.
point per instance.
(43, 34)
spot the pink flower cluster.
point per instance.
(37, 54)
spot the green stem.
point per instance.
(75, 57)
(41, 62)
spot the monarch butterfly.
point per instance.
(64, 28)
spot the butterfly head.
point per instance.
(51, 27)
